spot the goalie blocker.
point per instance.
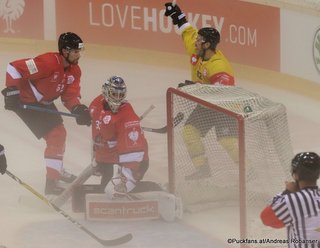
(131, 206)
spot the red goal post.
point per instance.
(245, 139)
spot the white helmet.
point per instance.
(115, 92)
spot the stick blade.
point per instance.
(118, 241)
(155, 130)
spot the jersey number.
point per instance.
(60, 88)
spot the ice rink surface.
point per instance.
(27, 222)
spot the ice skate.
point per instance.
(52, 187)
(67, 177)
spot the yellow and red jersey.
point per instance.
(217, 70)
(44, 79)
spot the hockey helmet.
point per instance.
(211, 35)
(306, 165)
(115, 92)
(70, 41)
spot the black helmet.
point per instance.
(69, 40)
(211, 35)
(306, 165)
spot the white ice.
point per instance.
(27, 222)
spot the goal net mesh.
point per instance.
(243, 136)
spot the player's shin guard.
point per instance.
(230, 144)
(55, 140)
(52, 187)
(196, 150)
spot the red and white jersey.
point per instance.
(44, 79)
(117, 137)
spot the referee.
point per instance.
(298, 206)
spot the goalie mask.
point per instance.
(306, 165)
(114, 91)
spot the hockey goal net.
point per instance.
(245, 140)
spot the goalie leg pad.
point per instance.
(170, 206)
(146, 205)
(100, 208)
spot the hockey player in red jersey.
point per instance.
(121, 158)
(117, 135)
(39, 81)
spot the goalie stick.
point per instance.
(41, 109)
(85, 174)
(66, 194)
(176, 121)
(105, 242)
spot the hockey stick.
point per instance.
(105, 242)
(40, 109)
(85, 174)
(66, 194)
(146, 112)
(176, 121)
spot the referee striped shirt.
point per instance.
(300, 213)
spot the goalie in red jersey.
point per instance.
(121, 156)
(39, 81)
(117, 135)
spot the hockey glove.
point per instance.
(187, 82)
(178, 17)
(83, 113)
(3, 161)
(11, 98)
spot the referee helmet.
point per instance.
(306, 165)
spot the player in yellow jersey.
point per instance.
(208, 66)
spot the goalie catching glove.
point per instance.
(177, 16)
